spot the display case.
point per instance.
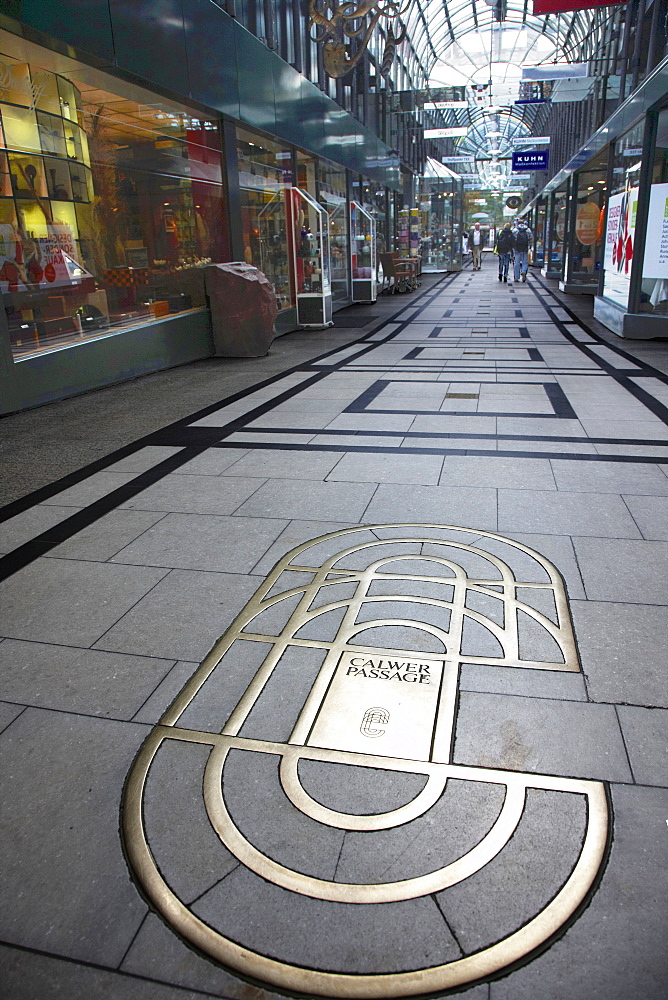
(363, 253)
(311, 260)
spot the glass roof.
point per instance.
(460, 42)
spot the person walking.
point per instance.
(476, 242)
(504, 246)
(523, 242)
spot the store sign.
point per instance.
(532, 159)
(445, 105)
(469, 158)
(531, 140)
(535, 91)
(656, 242)
(455, 132)
(555, 71)
(559, 6)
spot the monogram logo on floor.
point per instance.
(296, 815)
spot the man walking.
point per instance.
(523, 241)
(476, 237)
(505, 244)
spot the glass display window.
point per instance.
(309, 223)
(363, 253)
(539, 233)
(590, 195)
(654, 282)
(558, 229)
(332, 194)
(621, 216)
(265, 175)
(111, 203)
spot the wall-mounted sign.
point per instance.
(454, 132)
(531, 159)
(531, 140)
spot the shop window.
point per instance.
(558, 229)
(332, 195)
(654, 287)
(587, 238)
(110, 204)
(265, 174)
(621, 218)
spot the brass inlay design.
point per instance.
(372, 704)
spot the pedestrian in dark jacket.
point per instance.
(505, 244)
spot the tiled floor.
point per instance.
(475, 404)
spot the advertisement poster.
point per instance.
(619, 238)
(586, 223)
(28, 262)
(656, 244)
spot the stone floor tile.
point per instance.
(529, 473)
(543, 426)
(615, 950)
(182, 618)
(106, 536)
(600, 514)
(624, 650)
(202, 541)
(257, 437)
(559, 550)
(650, 430)
(70, 602)
(211, 462)
(99, 485)
(623, 569)
(164, 694)
(157, 953)
(32, 522)
(366, 422)
(651, 515)
(447, 444)
(645, 732)
(610, 477)
(314, 420)
(444, 423)
(27, 975)
(195, 494)
(540, 735)
(8, 713)
(545, 447)
(308, 500)
(421, 470)
(557, 684)
(296, 532)
(474, 508)
(77, 680)
(67, 889)
(144, 458)
(270, 463)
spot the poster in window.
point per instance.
(656, 243)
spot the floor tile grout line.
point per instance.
(169, 570)
(17, 704)
(626, 749)
(135, 935)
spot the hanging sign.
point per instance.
(559, 6)
(531, 159)
(454, 132)
(531, 140)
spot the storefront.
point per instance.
(608, 216)
(111, 205)
(440, 215)
(115, 199)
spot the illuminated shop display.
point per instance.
(363, 253)
(110, 205)
(310, 242)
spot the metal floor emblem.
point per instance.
(304, 774)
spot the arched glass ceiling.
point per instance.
(452, 42)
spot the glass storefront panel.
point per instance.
(265, 174)
(111, 204)
(621, 219)
(654, 288)
(558, 229)
(586, 247)
(333, 195)
(375, 202)
(539, 234)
